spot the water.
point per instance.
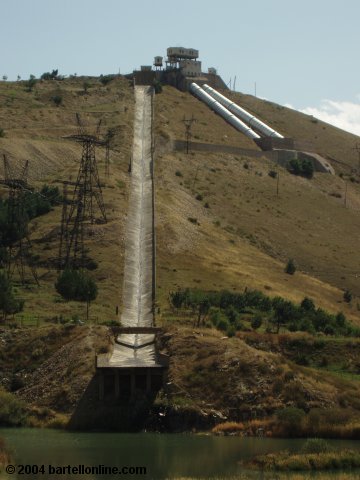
(171, 456)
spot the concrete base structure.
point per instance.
(123, 383)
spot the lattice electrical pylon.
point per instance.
(87, 201)
(18, 244)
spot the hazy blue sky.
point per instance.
(303, 53)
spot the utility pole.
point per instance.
(345, 196)
(357, 148)
(188, 122)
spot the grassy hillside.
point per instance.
(34, 128)
(244, 232)
(220, 225)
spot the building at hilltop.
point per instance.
(182, 66)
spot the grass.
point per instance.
(13, 412)
(4, 454)
(283, 461)
(35, 130)
(266, 229)
(279, 476)
(325, 423)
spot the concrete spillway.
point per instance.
(138, 349)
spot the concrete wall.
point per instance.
(282, 157)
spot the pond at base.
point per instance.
(165, 456)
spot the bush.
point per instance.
(178, 173)
(52, 194)
(57, 99)
(347, 296)
(12, 410)
(273, 174)
(291, 416)
(290, 267)
(76, 285)
(308, 305)
(50, 75)
(8, 303)
(30, 84)
(304, 167)
(2, 133)
(256, 322)
(157, 86)
(199, 197)
(105, 79)
(315, 445)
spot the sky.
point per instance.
(299, 53)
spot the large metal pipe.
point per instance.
(247, 117)
(222, 111)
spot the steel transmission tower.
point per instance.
(87, 204)
(18, 245)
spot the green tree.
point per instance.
(284, 312)
(347, 296)
(77, 285)
(86, 86)
(57, 99)
(307, 168)
(30, 84)
(8, 303)
(256, 322)
(290, 267)
(308, 305)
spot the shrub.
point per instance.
(228, 427)
(57, 99)
(256, 322)
(76, 285)
(273, 174)
(308, 305)
(2, 133)
(307, 168)
(340, 319)
(291, 416)
(12, 410)
(52, 194)
(8, 303)
(206, 205)
(193, 220)
(347, 296)
(223, 324)
(50, 75)
(301, 167)
(105, 79)
(86, 86)
(230, 331)
(199, 197)
(30, 84)
(157, 86)
(178, 173)
(290, 267)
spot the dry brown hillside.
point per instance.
(34, 127)
(237, 233)
(221, 224)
